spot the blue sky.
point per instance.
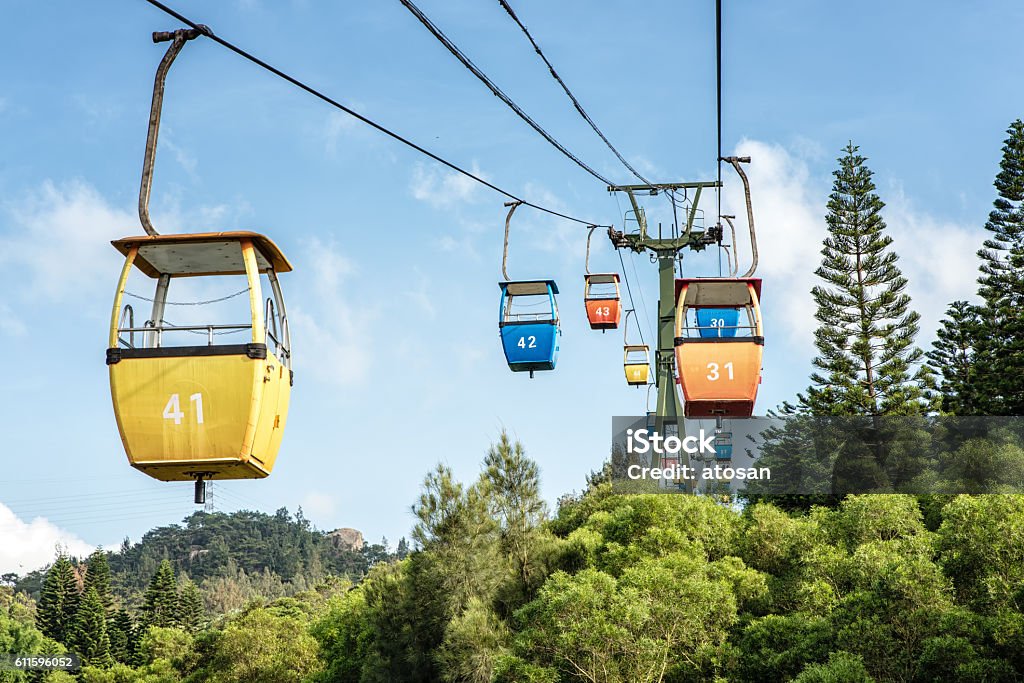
(394, 297)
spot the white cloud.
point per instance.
(420, 295)
(10, 324)
(789, 217)
(337, 124)
(938, 258)
(61, 236)
(318, 504)
(185, 159)
(332, 335)
(443, 189)
(32, 545)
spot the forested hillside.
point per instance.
(232, 557)
(612, 588)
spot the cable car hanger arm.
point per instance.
(736, 161)
(178, 39)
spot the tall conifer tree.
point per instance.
(160, 606)
(865, 337)
(97, 575)
(999, 351)
(191, 610)
(89, 633)
(952, 358)
(123, 638)
(58, 601)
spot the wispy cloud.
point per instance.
(444, 189)
(938, 257)
(10, 324)
(185, 159)
(332, 333)
(338, 124)
(789, 217)
(59, 236)
(31, 545)
(316, 504)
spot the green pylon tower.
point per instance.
(669, 412)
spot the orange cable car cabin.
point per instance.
(602, 299)
(719, 375)
(201, 409)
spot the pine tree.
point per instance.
(952, 357)
(866, 328)
(123, 638)
(89, 634)
(97, 575)
(58, 601)
(191, 610)
(999, 351)
(160, 606)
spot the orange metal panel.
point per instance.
(604, 314)
(719, 370)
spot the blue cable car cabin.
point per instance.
(723, 446)
(717, 322)
(529, 325)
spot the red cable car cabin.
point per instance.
(601, 297)
(719, 375)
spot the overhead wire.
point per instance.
(643, 303)
(575, 102)
(718, 92)
(498, 92)
(629, 292)
(205, 30)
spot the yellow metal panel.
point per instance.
(188, 411)
(273, 412)
(637, 373)
(121, 283)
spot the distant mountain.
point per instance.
(235, 556)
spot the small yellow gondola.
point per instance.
(209, 411)
(636, 362)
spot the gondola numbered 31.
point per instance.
(719, 375)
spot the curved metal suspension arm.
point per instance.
(178, 39)
(504, 254)
(586, 261)
(735, 162)
(625, 327)
(735, 265)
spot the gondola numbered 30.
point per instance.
(209, 410)
(529, 325)
(719, 375)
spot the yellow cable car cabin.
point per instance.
(187, 405)
(636, 363)
(719, 372)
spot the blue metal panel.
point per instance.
(723, 446)
(530, 346)
(718, 322)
